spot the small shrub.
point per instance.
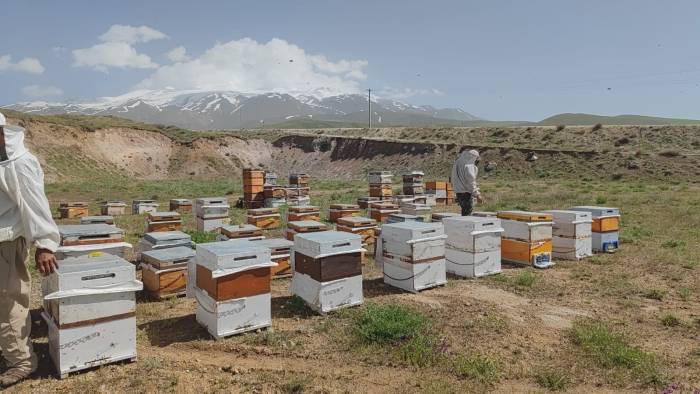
(673, 243)
(478, 368)
(684, 293)
(560, 127)
(525, 279)
(384, 324)
(200, 237)
(597, 127)
(670, 320)
(655, 294)
(669, 153)
(420, 350)
(622, 141)
(601, 200)
(553, 380)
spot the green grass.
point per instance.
(670, 320)
(295, 385)
(200, 237)
(384, 324)
(525, 279)
(553, 380)
(610, 350)
(478, 368)
(655, 294)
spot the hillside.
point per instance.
(570, 119)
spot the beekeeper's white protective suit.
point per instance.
(464, 173)
(25, 220)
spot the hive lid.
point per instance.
(442, 215)
(182, 201)
(475, 224)
(170, 254)
(598, 211)
(525, 216)
(357, 221)
(91, 274)
(344, 206)
(96, 219)
(115, 203)
(263, 211)
(224, 258)
(306, 224)
(164, 215)
(272, 243)
(238, 228)
(83, 230)
(211, 201)
(144, 201)
(304, 209)
(166, 236)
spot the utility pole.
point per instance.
(369, 108)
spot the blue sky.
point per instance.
(501, 60)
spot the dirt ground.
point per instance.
(522, 319)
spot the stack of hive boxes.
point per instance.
(402, 217)
(422, 210)
(105, 219)
(401, 199)
(382, 210)
(253, 188)
(605, 229)
(212, 213)
(139, 207)
(309, 212)
(241, 231)
(164, 240)
(338, 211)
(270, 178)
(527, 238)
(275, 196)
(300, 180)
(364, 202)
(328, 270)
(571, 234)
(83, 239)
(304, 226)
(164, 271)
(72, 210)
(413, 183)
(90, 310)
(232, 287)
(265, 218)
(181, 205)
(473, 246)
(427, 199)
(163, 221)
(438, 217)
(280, 253)
(366, 228)
(442, 191)
(298, 195)
(380, 184)
(413, 255)
(113, 208)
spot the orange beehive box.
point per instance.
(296, 217)
(73, 212)
(239, 285)
(525, 216)
(382, 190)
(436, 185)
(524, 252)
(367, 233)
(155, 227)
(284, 268)
(605, 224)
(338, 211)
(164, 284)
(267, 222)
(253, 189)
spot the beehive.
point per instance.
(364, 227)
(164, 271)
(381, 211)
(232, 287)
(139, 207)
(72, 210)
(444, 195)
(164, 240)
(265, 218)
(605, 227)
(113, 208)
(413, 183)
(304, 226)
(420, 210)
(181, 205)
(364, 202)
(90, 310)
(527, 238)
(253, 187)
(439, 216)
(302, 201)
(105, 219)
(280, 251)
(473, 246)
(571, 234)
(242, 231)
(301, 213)
(328, 270)
(211, 213)
(301, 179)
(89, 234)
(163, 221)
(338, 211)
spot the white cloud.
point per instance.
(27, 65)
(246, 65)
(178, 55)
(38, 91)
(405, 93)
(131, 34)
(116, 50)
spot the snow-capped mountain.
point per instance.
(220, 110)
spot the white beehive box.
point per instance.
(571, 224)
(211, 207)
(324, 297)
(421, 210)
(119, 249)
(605, 242)
(414, 277)
(413, 241)
(230, 317)
(473, 234)
(212, 224)
(472, 265)
(230, 255)
(526, 231)
(597, 212)
(139, 207)
(572, 248)
(378, 177)
(327, 243)
(78, 348)
(403, 217)
(438, 217)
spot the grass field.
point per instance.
(624, 322)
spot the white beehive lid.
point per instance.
(232, 256)
(103, 273)
(598, 212)
(327, 243)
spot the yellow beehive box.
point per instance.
(527, 253)
(525, 216)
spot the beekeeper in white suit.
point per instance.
(464, 174)
(25, 220)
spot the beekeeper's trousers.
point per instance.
(15, 323)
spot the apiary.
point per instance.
(605, 227)
(299, 179)
(381, 211)
(304, 226)
(90, 310)
(239, 231)
(72, 210)
(366, 228)
(139, 207)
(113, 208)
(265, 218)
(413, 255)
(328, 270)
(211, 213)
(104, 219)
(164, 271)
(163, 221)
(527, 238)
(420, 210)
(338, 211)
(473, 246)
(89, 234)
(181, 205)
(306, 212)
(571, 234)
(232, 287)
(439, 216)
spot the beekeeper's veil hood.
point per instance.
(14, 142)
(468, 157)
